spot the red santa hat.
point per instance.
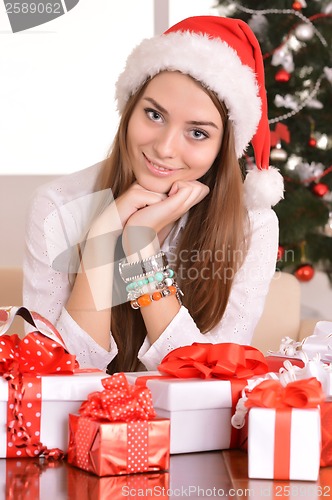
(224, 56)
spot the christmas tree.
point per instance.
(295, 37)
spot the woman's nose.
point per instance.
(167, 143)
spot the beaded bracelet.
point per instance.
(149, 288)
(146, 299)
(164, 277)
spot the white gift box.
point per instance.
(305, 444)
(60, 395)
(199, 410)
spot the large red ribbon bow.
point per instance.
(207, 361)
(36, 353)
(119, 402)
(303, 394)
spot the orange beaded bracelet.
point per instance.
(146, 299)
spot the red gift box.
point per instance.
(117, 432)
(274, 363)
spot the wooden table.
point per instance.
(196, 476)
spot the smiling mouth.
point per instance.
(158, 167)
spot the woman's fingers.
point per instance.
(182, 196)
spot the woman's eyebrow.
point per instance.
(160, 108)
(204, 124)
(156, 105)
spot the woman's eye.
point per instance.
(199, 134)
(153, 115)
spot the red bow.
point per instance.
(299, 394)
(36, 354)
(221, 361)
(119, 402)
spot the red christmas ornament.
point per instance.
(281, 251)
(282, 76)
(297, 6)
(305, 272)
(312, 142)
(320, 189)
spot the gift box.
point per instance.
(41, 384)
(117, 433)
(296, 455)
(284, 432)
(200, 410)
(85, 486)
(46, 404)
(293, 369)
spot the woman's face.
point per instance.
(174, 133)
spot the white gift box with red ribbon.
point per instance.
(284, 448)
(284, 426)
(41, 384)
(199, 410)
(197, 387)
(59, 396)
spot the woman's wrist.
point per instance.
(109, 222)
(139, 243)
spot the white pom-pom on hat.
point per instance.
(263, 188)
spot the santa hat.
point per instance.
(224, 56)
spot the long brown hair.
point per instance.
(214, 233)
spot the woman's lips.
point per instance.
(157, 169)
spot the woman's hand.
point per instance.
(135, 199)
(182, 196)
(116, 214)
(143, 226)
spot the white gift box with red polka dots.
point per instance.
(60, 395)
(199, 411)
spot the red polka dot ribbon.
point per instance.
(137, 447)
(119, 402)
(22, 362)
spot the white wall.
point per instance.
(57, 85)
(57, 105)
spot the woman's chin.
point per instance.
(154, 186)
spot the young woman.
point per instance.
(172, 246)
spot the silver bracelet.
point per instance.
(130, 271)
